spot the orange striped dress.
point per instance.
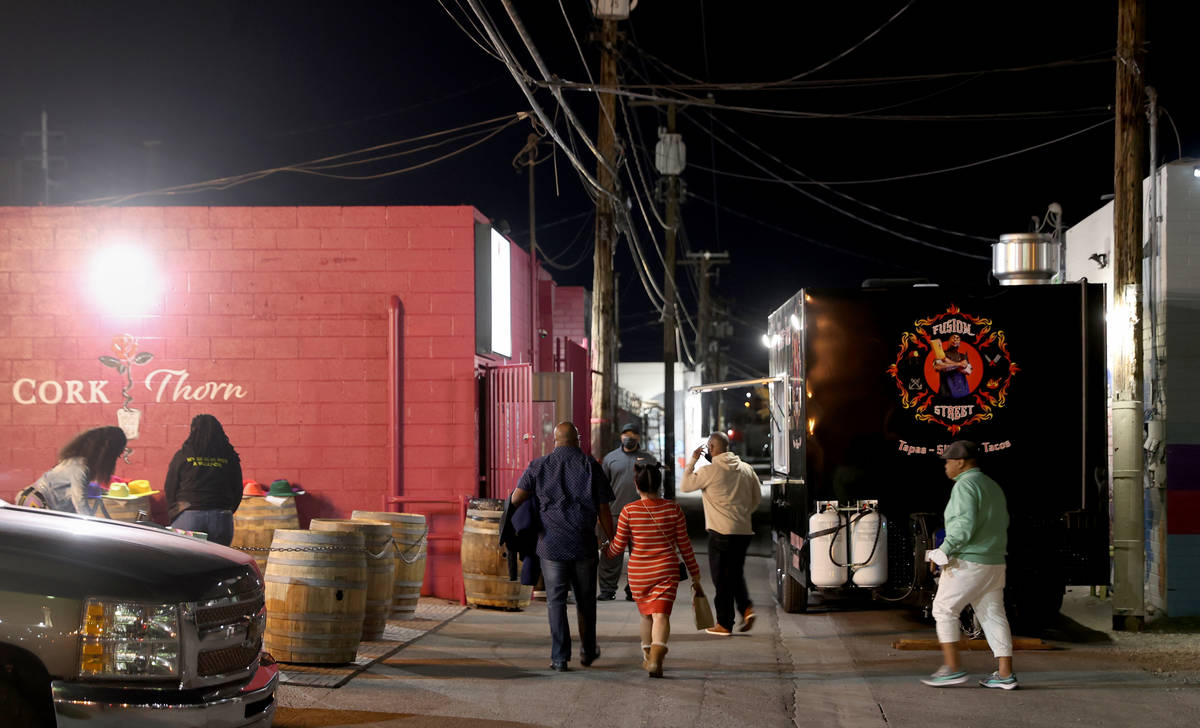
(657, 528)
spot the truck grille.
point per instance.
(230, 659)
(223, 634)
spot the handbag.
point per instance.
(702, 611)
(683, 572)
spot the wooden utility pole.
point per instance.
(669, 323)
(705, 357)
(1126, 326)
(531, 146)
(603, 343)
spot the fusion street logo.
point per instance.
(953, 369)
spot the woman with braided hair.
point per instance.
(204, 482)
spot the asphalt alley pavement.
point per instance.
(831, 667)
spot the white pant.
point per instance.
(981, 586)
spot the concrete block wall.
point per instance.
(288, 304)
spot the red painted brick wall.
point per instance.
(290, 304)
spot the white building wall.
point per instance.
(645, 379)
(1172, 287)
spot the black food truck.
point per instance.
(868, 386)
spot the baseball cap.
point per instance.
(961, 450)
(633, 427)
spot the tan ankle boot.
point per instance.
(646, 657)
(654, 663)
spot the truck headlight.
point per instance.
(121, 639)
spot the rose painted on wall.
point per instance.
(127, 356)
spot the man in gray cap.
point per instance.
(972, 561)
(618, 466)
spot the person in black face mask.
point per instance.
(618, 466)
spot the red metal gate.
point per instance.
(510, 426)
(577, 361)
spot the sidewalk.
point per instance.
(491, 668)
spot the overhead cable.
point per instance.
(912, 175)
(855, 200)
(224, 183)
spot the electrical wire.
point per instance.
(554, 261)
(848, 51)
(845, 212)
(799, 236)
(913, 175)
(1178, 142)
(468, 33)
(224, 183)
(865, 81)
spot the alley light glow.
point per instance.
(766, 340)
(795, 320)
(124, 279)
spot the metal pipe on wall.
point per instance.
(395, 397)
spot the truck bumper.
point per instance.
(76, 706)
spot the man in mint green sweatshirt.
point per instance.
(972, 561)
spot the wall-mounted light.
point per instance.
(1196, 171)
(124, 279)
(766, 341)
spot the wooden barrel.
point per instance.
(255, 523)
(127, 510)
(485, 562)
(316, 597)
(381, 570)
(409, 534)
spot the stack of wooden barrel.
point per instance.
(335, 585)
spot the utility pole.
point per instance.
(704, 356)
(531, 145)
(603, 344)
(1126, 329)
(670, 171)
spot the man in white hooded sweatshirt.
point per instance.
(731, 491)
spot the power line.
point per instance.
(913, 175)
(701, 85)
(813, 241)
(224, 183)
(842, 211)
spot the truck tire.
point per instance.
(792, 595)
(18, 712)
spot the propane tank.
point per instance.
(868, 546)
(822, 571)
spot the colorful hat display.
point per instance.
(253, 488)
(130, 491)
(283, 489)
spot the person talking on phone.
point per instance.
(730, 491)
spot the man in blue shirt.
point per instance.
(572, 495)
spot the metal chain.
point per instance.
(323, 549)
(418, 544)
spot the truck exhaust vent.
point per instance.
(1022, 259)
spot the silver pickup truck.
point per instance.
(116, 624)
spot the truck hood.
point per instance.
(67, 555)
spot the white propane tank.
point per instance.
(822, 571)
(868, 548)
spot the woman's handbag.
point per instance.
(702, 611)
(683, 572)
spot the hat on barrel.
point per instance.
(93, 490)
(131, 490)
(253, 488)
(140, 488)
(961, 450)
(282, 489)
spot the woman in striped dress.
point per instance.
(657, 529)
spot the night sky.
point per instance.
(225, 88)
